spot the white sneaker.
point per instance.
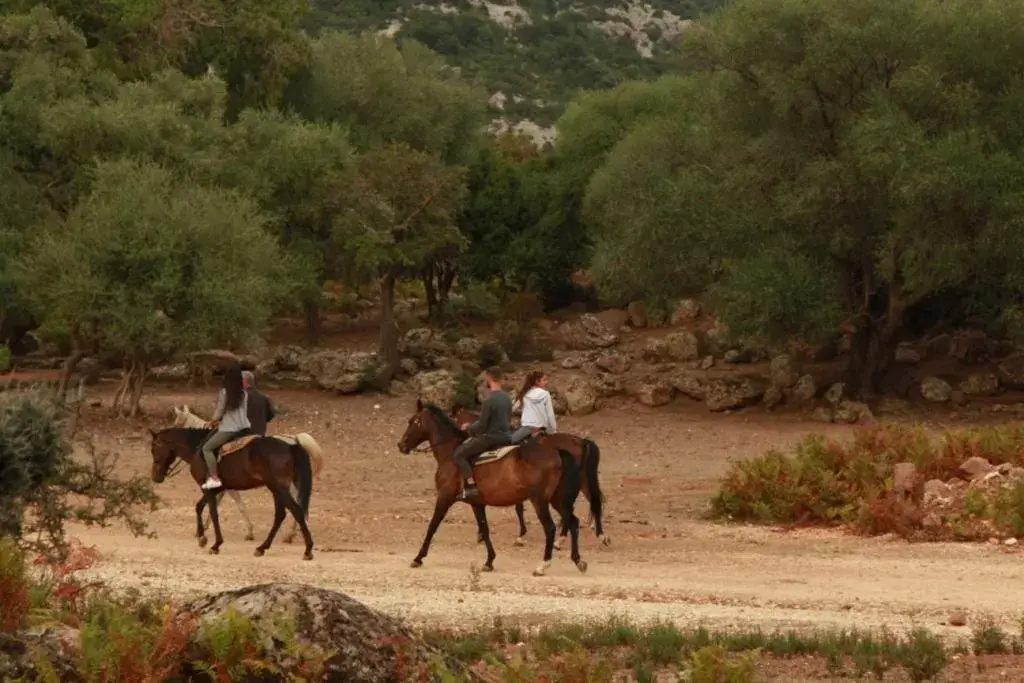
(212, 483)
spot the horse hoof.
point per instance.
(259, 552)
(289, 539)
(214, 551)
(487, 568)
(250, 537)
(542, 569)
(605, 541)
(201, 541)
(558, 545)
(416, 564)
(520, 541)
(308, 556)
(582, 566)
(479, 539)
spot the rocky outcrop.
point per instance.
(437, 387)
(337, 370)
(936, 390)
(587, 333)
(580, 397)
(361, 643)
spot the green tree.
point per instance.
(170, 266)
(847, 162)
(399, 211)
(292, 167)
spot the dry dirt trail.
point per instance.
(371, 507)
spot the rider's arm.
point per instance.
(480, 425)
(549, 408)
(218, 412)
(271, 412)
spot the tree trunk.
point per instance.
(445, 282)
(433, 310)
(874, 347)
(311, 311)
(70, 364)
(121, 395)
(387, 346)
(138, 383)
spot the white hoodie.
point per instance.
(538, 410)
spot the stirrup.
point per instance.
(465, 493)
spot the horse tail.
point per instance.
(316, 454)
(304, 474)
(591, 460)
(570, 485)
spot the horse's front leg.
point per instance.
(521, 539)
(441, 507)
(481, 519)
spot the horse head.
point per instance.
(169, 445)
(428, 423)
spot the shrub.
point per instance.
(5, 358)
(490, 355)
(14, 587)
(713, 665)
(39, 475)
(465, 391)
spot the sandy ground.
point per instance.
(371, 507)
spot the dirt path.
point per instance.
(371, 507)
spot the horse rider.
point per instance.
(230, 419)
(261, 408)
(538, 410)
(493, 429)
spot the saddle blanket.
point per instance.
(240, 443)
(493, 456)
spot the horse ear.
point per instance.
(419, 405)
(152, 432)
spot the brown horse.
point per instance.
(259, 461)
(537, 472)
(587, 457)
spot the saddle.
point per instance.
(493, 455)
(244, 440)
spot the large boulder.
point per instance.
(360, 644)
(587, 333)
(732, 393)
(580, 397)
(785, 371)
(437, 387)
(682, 346)
(340, 371)
(936, 390)
(654, 394)
(685, 311)
(425, 345)
(468, 348)
(980, 384)
(1011, 372)
(615, 363)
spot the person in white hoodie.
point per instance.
(538, 411)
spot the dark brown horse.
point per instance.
(587, 457)
(263, 461)
(537, 472)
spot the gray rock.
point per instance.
(468, 348)
(728, 394)
(784, 371)
(976, 467)
(655, 394)
(936, 390)
(980, 384)
(907, 354)
(682, 346)
(338, 370)
(772, 397)
(852, 412)
(804, 390)
(835, 393)
(580, 397)
(614, 363)
(685, 310)
(587, 333)
(360, 643)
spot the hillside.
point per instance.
(531, 55)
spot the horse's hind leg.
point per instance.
(481, 519)
(520, 515)
(296, 510)
(200, 524)
(544, 515)
(250, 534)
(218, 538)
(290, 536)
(278, 520)
(574, 531)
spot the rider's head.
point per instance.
(233, 386)
(248, 379)
(533, 379)
(493, 378)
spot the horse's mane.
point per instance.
(192, 435)
(445, 421)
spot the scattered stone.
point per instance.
(904, 478)
(980, 384)
(682, 346)
(587, 333)
(686, 310)
(852, 412)
(1010, 541)
(937, 491)
(784, 371)
(772, 397)
(468, 348)
(655, 394)
(572, 362)
(614, 363)
(822, 414)
(343, 372)
(437, 387)
(835, 393)
(707, 363)
(580, 397)
(969, 346)
(727, 394)
(1011, 371)
(958, 618)
(907, 354)
(637, 311)
(936, 390)
(976, 467)
(689, 384)
(804, 390)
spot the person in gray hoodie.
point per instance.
(538, 409)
